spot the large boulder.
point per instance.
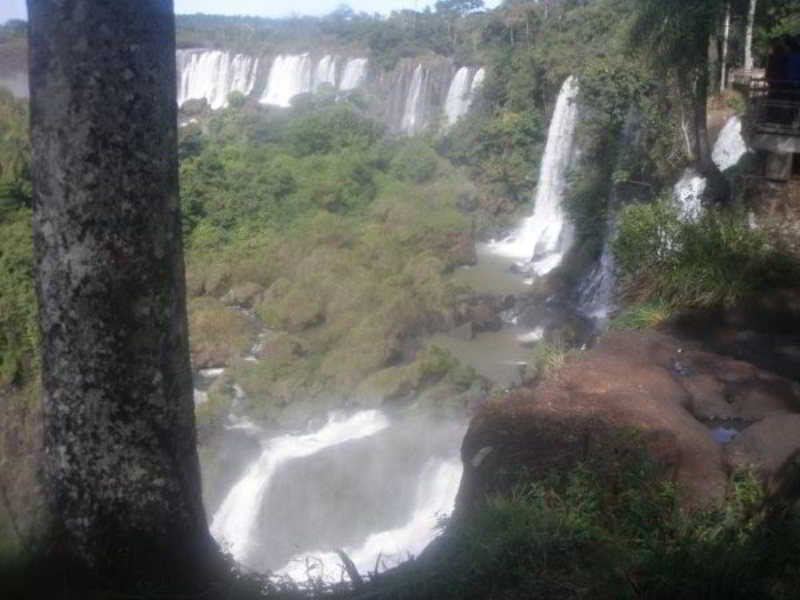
(636, 390)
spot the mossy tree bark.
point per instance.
(121, 468)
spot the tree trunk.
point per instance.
(726, 32)
(718, 188)
(121, 468)
(748, 37)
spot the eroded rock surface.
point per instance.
(671, 393)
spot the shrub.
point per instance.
(415, 161)
(549, 357)
(711, 261)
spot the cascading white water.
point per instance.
(688, 193)
(355, 71)
(233, 524)
(597, 293)
(730, 145)
(289, 76)
(546, 235)
(360, 483)
(412, 112)
(477, 81)
(212, 75)
(325, 72)
(458, 96)
(728, 150)
(435, 497)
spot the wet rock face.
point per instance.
(674, 394)
(121, 469)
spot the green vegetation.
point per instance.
(18, 327)
(608, 531)
(712, 261)
(549, 356)
(330, 232)
(647, 315)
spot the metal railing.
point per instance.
(774, 107)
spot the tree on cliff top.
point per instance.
(121, 470)
(677, 34)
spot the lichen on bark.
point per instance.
(121, 469)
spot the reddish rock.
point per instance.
(708, 400)
(767, 445)
(648, 382)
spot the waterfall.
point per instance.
(688, 193)
(360, 483)
(289, 76)
(728, 150)
(234, 522)
(596, 296)
(458, 96)
(413, 110)
(212, 75)
(434, 498)
(355, 71)
(546, 235)
(325, 72)
(477, 81)
(730, 145)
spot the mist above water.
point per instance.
(368, 484)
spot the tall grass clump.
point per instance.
(713, 260)
(646, 315)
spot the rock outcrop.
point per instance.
(649, 388)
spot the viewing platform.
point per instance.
(772, 122)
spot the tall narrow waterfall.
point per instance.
(213, 75)
(289, 76)
(547, 235)
(477, 81)
(355, 70)
(412, 113)
(596, 295)
(458, 96)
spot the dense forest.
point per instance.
(324, 252)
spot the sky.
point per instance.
(15, 9)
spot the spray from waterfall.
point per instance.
(360, 482)
(546, 236)
(233, 524)
(434, 499)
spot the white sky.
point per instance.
(15, 9)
